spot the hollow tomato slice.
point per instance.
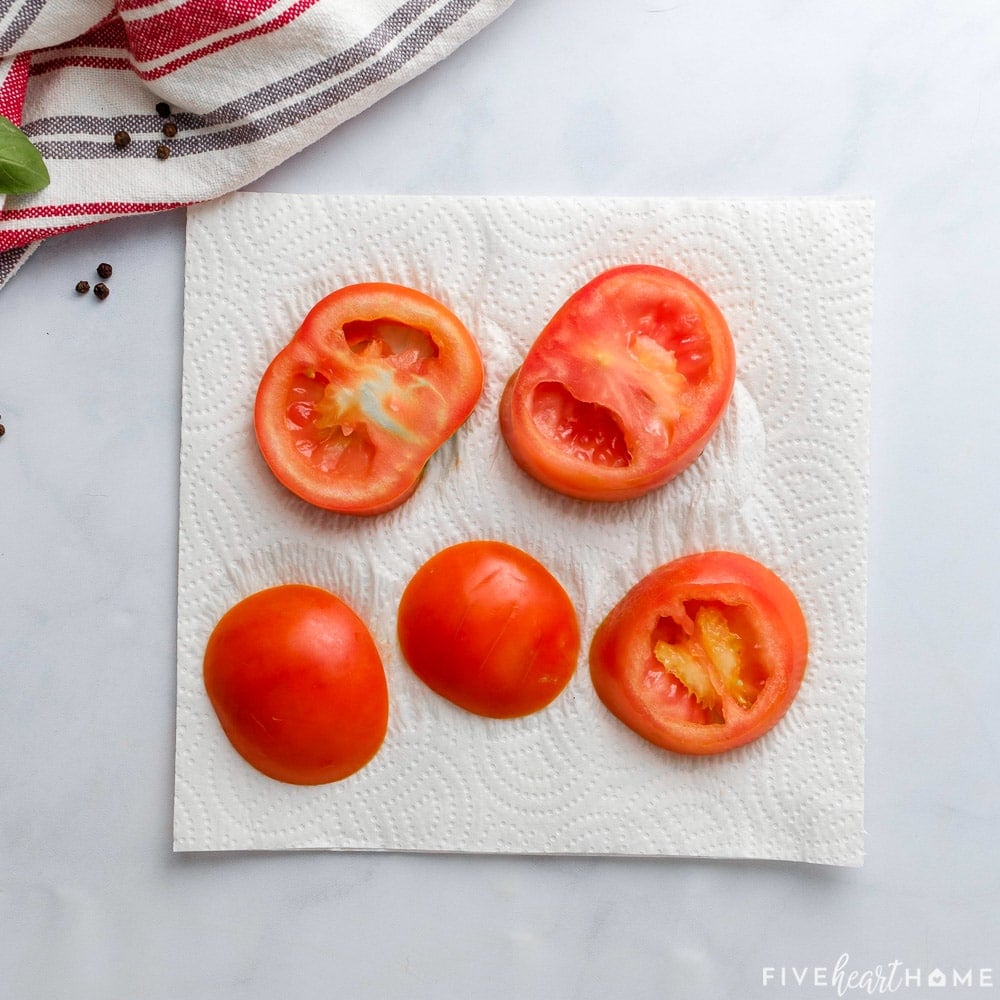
(373, 382)
(703, 655)
(623, 388)
(297, 684)
(487, 626)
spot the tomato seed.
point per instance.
(104, 270)
(101, 290)
(83, 287)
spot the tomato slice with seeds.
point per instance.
(623, 388)
(373, 382)
(703, 655)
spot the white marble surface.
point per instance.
(899, 102)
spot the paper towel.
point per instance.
(784, 480)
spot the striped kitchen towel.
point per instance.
(146, 105)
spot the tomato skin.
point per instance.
(636, 688)
(373, 382)
(297, 684)
(623, 388)
(487, 626)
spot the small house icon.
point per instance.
(937, 978)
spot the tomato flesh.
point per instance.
(383, 338)
(371, 385)
(623, 388)
(486, 626)
(584, 430)
(321, 435)
(703, 655)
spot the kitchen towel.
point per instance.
(246, 84)
(784, 480)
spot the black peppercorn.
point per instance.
(104, 270)
(169, 130)
(163, 109)
(83, 287)
(162, 152)
(122, 138)
(101, 290)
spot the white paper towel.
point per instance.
(784, 480)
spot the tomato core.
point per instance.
(674, 327)
(708, 659)
(315, 419)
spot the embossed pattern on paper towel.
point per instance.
(784, 480)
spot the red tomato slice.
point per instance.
(703, 655)
(298, 685)
(489, 628)
(623, 388)
(375, 380)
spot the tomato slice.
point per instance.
(487, 626)
(373, 382)
(623, 388)
(703, 655)
(297, 684)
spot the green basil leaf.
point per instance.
(22, 170)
